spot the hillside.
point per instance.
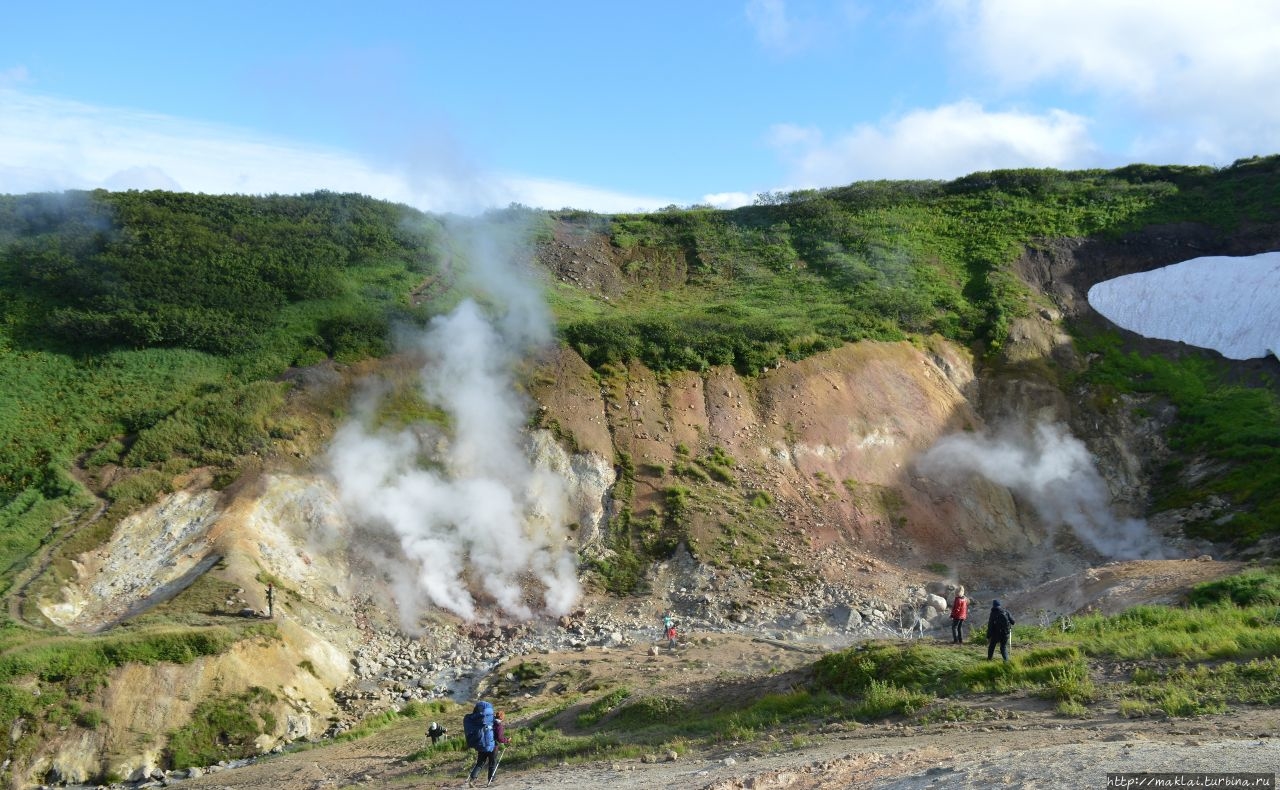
(448, 442)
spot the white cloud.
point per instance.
(727, 200)
(1139, 48)
(49, 144)
(945, 142)
(552, 194)
(1204, 72)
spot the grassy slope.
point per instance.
(875, 260)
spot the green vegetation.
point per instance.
(601, 707)
(1241, 641)
(142, 327)
(222, 728)
(163, 269)
(45, 682)
(806, 271)
(1258, 587)
(1236, 426)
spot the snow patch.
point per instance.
(1231, 305)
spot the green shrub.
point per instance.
(529, 670)
(647, 711)
(1251, 588)
(140, 488)
(916, 667)
(353, 336)
(222, 729)
(883, 700)
(1071, 685)
(90, 718)
(601, 707)
(109, 453)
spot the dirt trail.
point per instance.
(1006, 740)
(1032, 751)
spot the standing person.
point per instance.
(500, 729)
(959, 613)
(669, 629)
(435, 732)
(484, 731)
(999, 626)
(271, 600)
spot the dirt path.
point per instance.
(1034, 752)
(1005, 740)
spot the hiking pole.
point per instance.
(498, 761)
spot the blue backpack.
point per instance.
(478, 728)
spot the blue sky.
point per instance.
(454, 106)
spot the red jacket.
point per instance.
(960, 609)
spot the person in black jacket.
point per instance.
(436, 732)
(999, 625)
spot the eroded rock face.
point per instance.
(588, 478)
(291, 527)
(831, 439)
(151, 556)
(1126, 435)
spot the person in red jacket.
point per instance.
(500, 728)
(959, 613)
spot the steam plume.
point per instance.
(1054, 471)
(481, 515)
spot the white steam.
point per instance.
(1054, 471)
(474, 525)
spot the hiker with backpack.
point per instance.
(669, 629)
(999, 626)
(484, 731)
(959, 613)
